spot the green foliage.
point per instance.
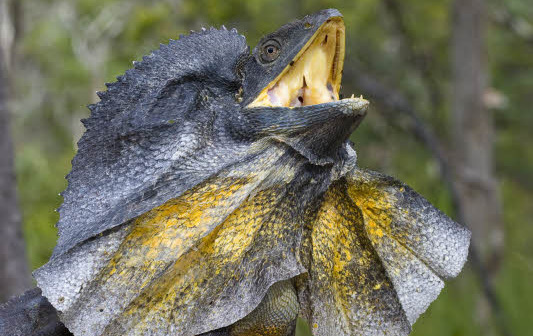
(56, 78)
(39, 188)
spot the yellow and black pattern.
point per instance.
(417, 244)
(156, 240)
(350, 292)
(181, 265)
(205, 273)
(217, 259)
(360, 248)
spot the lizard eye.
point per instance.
(270, 51)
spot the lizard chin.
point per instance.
(314, 75)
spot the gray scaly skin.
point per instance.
(188, 212)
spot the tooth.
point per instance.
(353, 96)
(361, 97)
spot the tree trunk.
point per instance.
(473, 136)
(14, 274)
(473, 129)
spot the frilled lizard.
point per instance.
(215, 193)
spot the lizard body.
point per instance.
(215, 192)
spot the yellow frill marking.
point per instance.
(347, 272)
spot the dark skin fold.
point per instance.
(215, 193)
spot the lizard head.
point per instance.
(300, 64)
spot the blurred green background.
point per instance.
(67, 50)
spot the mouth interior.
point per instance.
(314, 75)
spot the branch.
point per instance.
(421, 62)
(393, 101)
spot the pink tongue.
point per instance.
(274, 100)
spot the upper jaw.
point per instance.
(314, 74)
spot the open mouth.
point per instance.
(314, 75)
